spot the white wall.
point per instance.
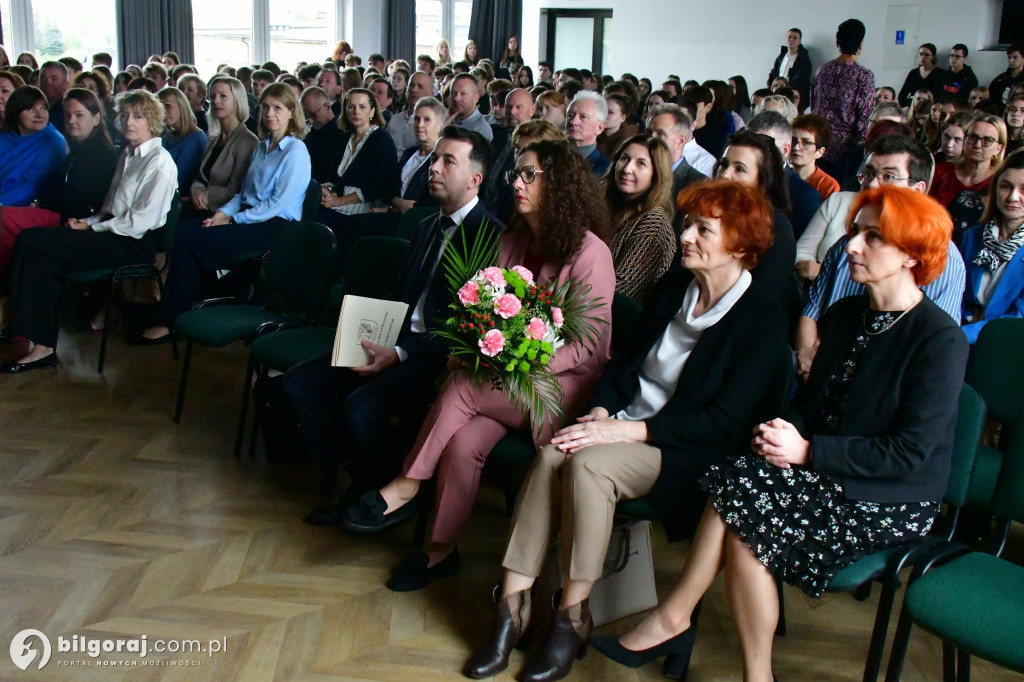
(365, 26)
(707, 39)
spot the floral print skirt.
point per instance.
(800, 525)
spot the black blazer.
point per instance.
(422, 257)
(417, 190)
(725, 389)
(896, 437)
(374, 168)
(799, 74)
(78, 186)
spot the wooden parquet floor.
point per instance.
(117, 523)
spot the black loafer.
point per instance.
(331, 515)
(414, 574)
(368, 517)
(14, 367)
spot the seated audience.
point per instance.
(229, 148)
(54, 81)
(885, 94)
(660, 418)
(497, 194)
(834, 482)
(585, 120)
(555, 235)
(977, 95)
(9, 82)
(995, 275)
(920, 113)
(617, 127)
(811, 138)
(953, 133)
(1001, 86)
(120, 233)
(400, 126)
(983, 152)
(273, 190)
(741, 104)
(959, 80)
(1013, 116)
(463, 111)
(925, 76)
(194, 89)
(322, 133)
(385, 96)
(673, 126)
(182, 137)
(638, 191)
(412, 188)
(30, 147)
(156, 72)
(843, 91)
(551, 105)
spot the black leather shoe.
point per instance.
(414, 574)
(367, 517)
(14, 367)
(331, 515)
(676, 649)
(567, 641)
(510, 622)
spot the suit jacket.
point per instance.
(799, 74)
(374, 168)
(720, 397)
(1008, 298)
(228, 171)
(598, 163)
(417, 190)
(895, 438)
(322, 145)
(416, 276)
(683, 176)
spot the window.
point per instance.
(428, 27)
(8, 38)
(298, 32)
(223, 33)
(437, 19)
(72, 27)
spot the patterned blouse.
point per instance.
(643, 251)
(843, 93)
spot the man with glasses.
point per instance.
(960, 79)
(322, 133)
(1003, 84)
(896, 160)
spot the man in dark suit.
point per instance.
(672, 125)
(584, 121)
(346, 414)
(497, 194)
(323, 133)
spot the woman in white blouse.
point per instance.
(120, 234)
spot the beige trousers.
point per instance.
(577, 497)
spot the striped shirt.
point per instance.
(834, 283)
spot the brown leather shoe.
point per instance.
(570, 629)
(510, 621)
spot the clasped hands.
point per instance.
(597, 428)
(780, 444)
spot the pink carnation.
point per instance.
(556, 317)
(492, 343)
(524, 273)
(507, 305)
(536, 329)
(469, 294)
(495, 277)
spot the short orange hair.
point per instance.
(745, 213)
(914, 223)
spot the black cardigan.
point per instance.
(417, 190)
(799, 74)
(725, 389)
(374, 168)
(896, 437)
(78, 186)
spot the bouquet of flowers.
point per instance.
(507, 328)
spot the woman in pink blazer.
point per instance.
(556, 234)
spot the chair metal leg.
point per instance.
(106, 326)
(948, 662)
(246, 387)
(254, 432)
(780, 627)
(900, 640)
(877, 647)
(963, 665)
(183, 382)
(160, 290)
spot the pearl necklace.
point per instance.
(891, 324)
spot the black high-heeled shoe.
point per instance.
(676, 650)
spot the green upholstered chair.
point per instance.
(295, 272)
(375, 267)
(973, 601)
(311, 202)
(164, 239)
(412, 218)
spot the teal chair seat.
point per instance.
(283, 350)
(217, 326)
(641, 509)
(87, 276)
(976, 603)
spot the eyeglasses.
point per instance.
(985, 142)
(803, 144)
(527, 173)
(956, 56)
(884, 178)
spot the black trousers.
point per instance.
(41, 260)
(346, 417)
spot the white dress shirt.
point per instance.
(698, 157)
(140, 192)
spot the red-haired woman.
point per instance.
(659, 419)
(865, 461)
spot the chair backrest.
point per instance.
(775, 401)
(996, 368)
(374, 267)
(625, 313)
(297, 268)
(311, 204)
(412, 218)
(169, 237)
(1008, 501)
(970, 422)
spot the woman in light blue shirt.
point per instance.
(274, 189)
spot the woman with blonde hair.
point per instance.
(444, 53)
(638, 191)
(984, 145)
(551, 106)
(182, 137)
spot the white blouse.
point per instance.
(140, 192)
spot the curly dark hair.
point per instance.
(570, 201)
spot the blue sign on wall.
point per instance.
(900, 36)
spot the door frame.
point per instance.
(599, 15)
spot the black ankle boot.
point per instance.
(567, 641)
(510, 621)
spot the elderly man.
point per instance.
(805, 199)
(54, 82)
(584, 121)
(323, 133)
(400, 127)
(497, 194)
(673, 126)
(463, 112)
